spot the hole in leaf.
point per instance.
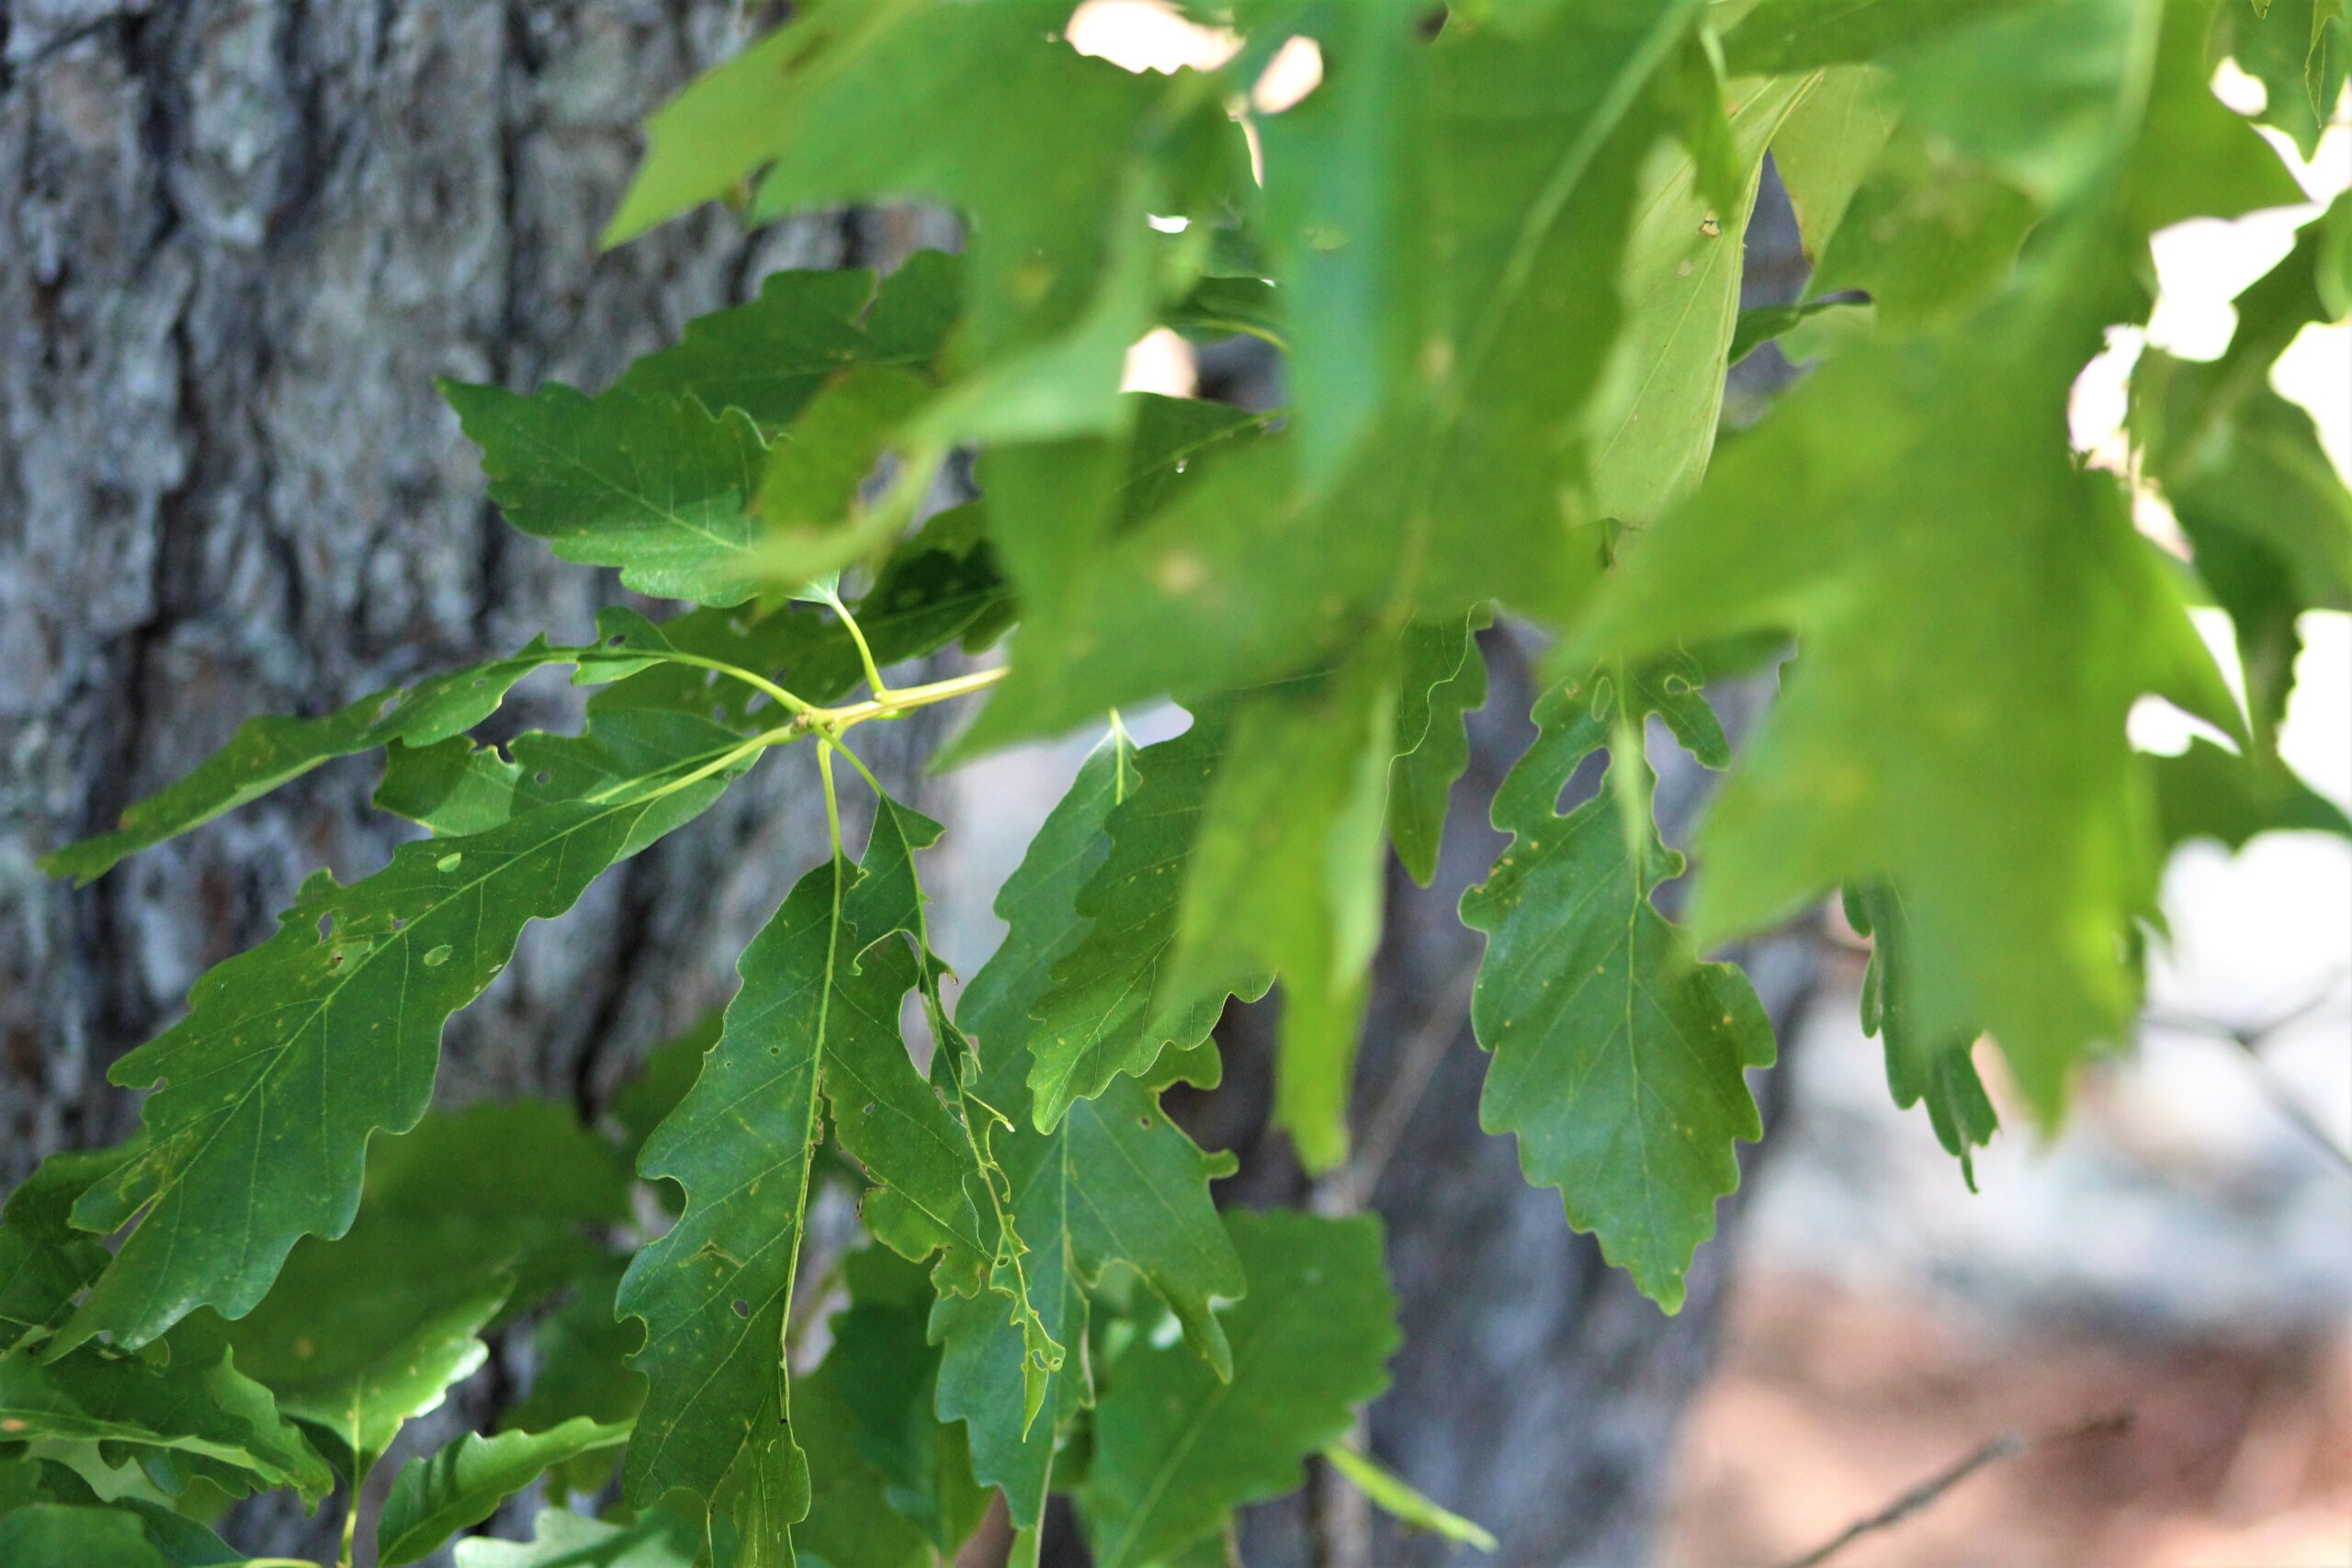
(743, 1308)
(448, 862)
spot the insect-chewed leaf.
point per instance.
(436, 1496)
(294, 1053)
(195, 1404)
(1620, 1059)
(1176, 1451)
(1109, 1010)
(1116, 1182)
(1914, 707)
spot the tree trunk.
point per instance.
(237, 242)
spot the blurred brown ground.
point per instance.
(1829, 1405)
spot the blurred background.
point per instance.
(237, 239)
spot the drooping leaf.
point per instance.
(327, 1032)
(1444, 681)
(1935, 1068)
(1826, 148)
(1680, 281)
(1620, 1059)
(1108, 1009)
(1116, 1182)
(1913, 707)
(434, 1497)
(2298, 51)
(1176, 1451)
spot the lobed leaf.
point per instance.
(1115, 1181)
(293, 1054)
(1620, 1060)
(434, 1497)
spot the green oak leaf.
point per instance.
(1620, 1060)
(774, 356)
(46, 1533)
(2298, 49)
(886, 1373)
(436, 1496)
(299, 1049)
(563, 1540)
(850, 1522)
(1115, 1181)
(2208, 792)
(1825, 149)
(1912, 706)
(1679, 278)
(1176, 1451)
(1109, 1009)
(1938, 1068)
(355, 1355)
(1285, 874)
(196, 1403)
(1056, 202)
(815, 1026)
(2261, 503)
(1544, 148)
(659, 486)
(272, 751)
(44, 1262)
(1444, 680)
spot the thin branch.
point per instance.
(2250, 1038)
(1385, 1129)
(2009, 1444)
